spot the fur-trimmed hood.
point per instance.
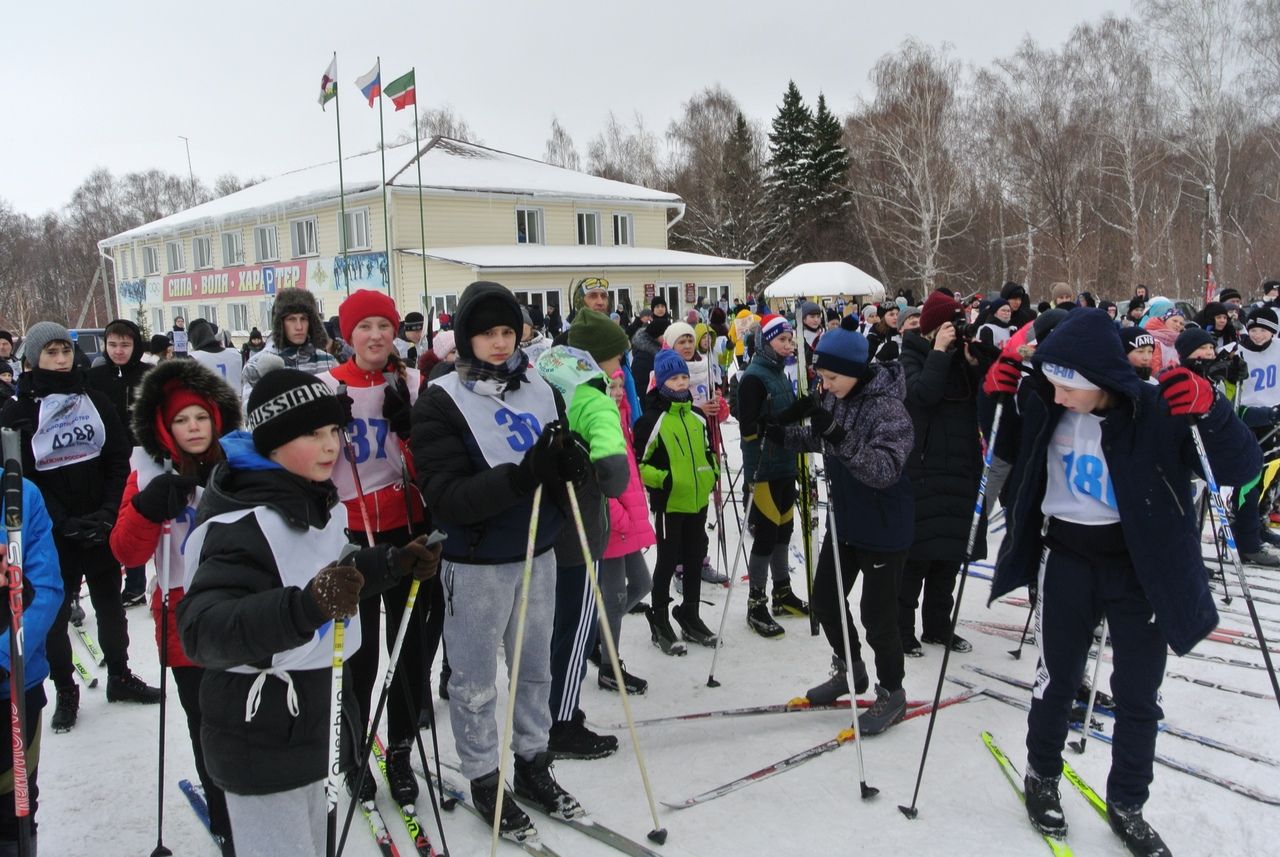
(288, 302)
(190, 374)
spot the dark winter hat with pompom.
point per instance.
(844, 351)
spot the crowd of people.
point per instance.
(447, 454)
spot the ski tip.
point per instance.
(658, 835)
(845, 735)
(909, 811)
(798, 702)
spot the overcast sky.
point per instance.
(115, 84)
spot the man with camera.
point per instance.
(945, 466)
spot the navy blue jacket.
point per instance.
(1152, 459)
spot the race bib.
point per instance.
(70, 431)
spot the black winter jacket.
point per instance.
(120, 383)
(946, 463)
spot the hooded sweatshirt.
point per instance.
(120, 383)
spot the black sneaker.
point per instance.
(635, 685)
(787, 603)
(534, 782)
(661, 632)
(758, 618)
(368, 789)
(911, 646)
(571, 739)
(958, 643)
(133, 599)
(400, 777)
(1044, 804)
(1135, 833)
(66, 709)
(515, 825)
(129, 688)
(692, 628)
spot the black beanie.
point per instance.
(1191, 339)
(658, 326)
(1047, 321)
(7, 336)
(484, 305)
(657, 300)
(1135, 337)
(287, 404)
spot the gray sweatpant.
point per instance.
(481, 607)
(624, 582)
(284, 824)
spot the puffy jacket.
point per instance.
(764, 391)
(594, 418)
(674, 451)
(630, 529)
(42, 576)
(946, 463)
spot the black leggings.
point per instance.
(188, 680)
(878, 607)
(682, 539)
(102, 571)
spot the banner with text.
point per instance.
(245, 281)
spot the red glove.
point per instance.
(1186, 392)
(1003, 377)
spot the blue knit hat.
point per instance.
(667, 365)
(843, 351)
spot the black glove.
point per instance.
(573, 462)
(396, 407)
(85, 532)
(335, 590)
(417, 558)
(539, 465)
(773, 432)
(165, 497)
(825, 426)
(346, 403)
(1237, 369)
(797, 410)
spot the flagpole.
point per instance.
(342, 198)
(386, 214)
(422, 219)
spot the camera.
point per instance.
(960, 321)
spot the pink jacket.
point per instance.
(629, 527)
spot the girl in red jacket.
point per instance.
(179, 412)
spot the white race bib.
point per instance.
(70, 431)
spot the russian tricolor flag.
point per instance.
(371, 84)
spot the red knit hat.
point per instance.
(938, 308)
(361, 305)
(773, 325)
(178, 396)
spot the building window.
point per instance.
(202, 252)
(529, 226)
(588, 227)
(173, 250)
(232, 249)
(264, 244)
(444, 304)
(150, 260)
(208, 312)
(357, 231)
(304, 237)
(264, 317)
(157, 321)
(122, 264)
(620, 299)
(239, 317)
(622, 234)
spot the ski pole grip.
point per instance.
(11, 449)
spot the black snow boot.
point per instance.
(1044, 804)
(127, 687)
(1134, 831)
(692, 628)
(400, 777)
(838, 685)
(636, 686)
(66, 709)
(660, 630)
(758, 618)
(889, 708)
(534, 782)
(516, 825)
(571, 739)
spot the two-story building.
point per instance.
(490, 215)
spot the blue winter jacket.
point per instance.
(1152, 460)
(41, 569)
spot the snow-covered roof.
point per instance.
(825, 279)
(573, 257)
(448, 165)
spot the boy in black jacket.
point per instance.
(264, 585)
(77, 453)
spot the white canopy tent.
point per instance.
(826, 279)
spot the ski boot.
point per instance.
(368, 788)
(1135, 833)
(66, 709)
(838, 685)
(661, 632)
(692, 629)
(515, 825)
(127, 687)
(1044, 804)
(889, 708)
(400, 777)
(710, 574)
(534, 782)
(571, 739)
(636, 686)
(787, 603)
(958, 643)
(758, 618)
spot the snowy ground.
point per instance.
(98, 783)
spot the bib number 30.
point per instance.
(522, 429)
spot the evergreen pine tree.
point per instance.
(790, 175)
(828, 166)
(745, 229)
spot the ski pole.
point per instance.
(658, 834)
(867, 791)
(1016, 654)
(1207, 508)
(911, 811)
(1215, 496)
(335, 732)
(12, 559)
(522, 613)
(718, 495)
(733, 580)
(1078, 746)
(166, 540)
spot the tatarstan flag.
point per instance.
(402, 91)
